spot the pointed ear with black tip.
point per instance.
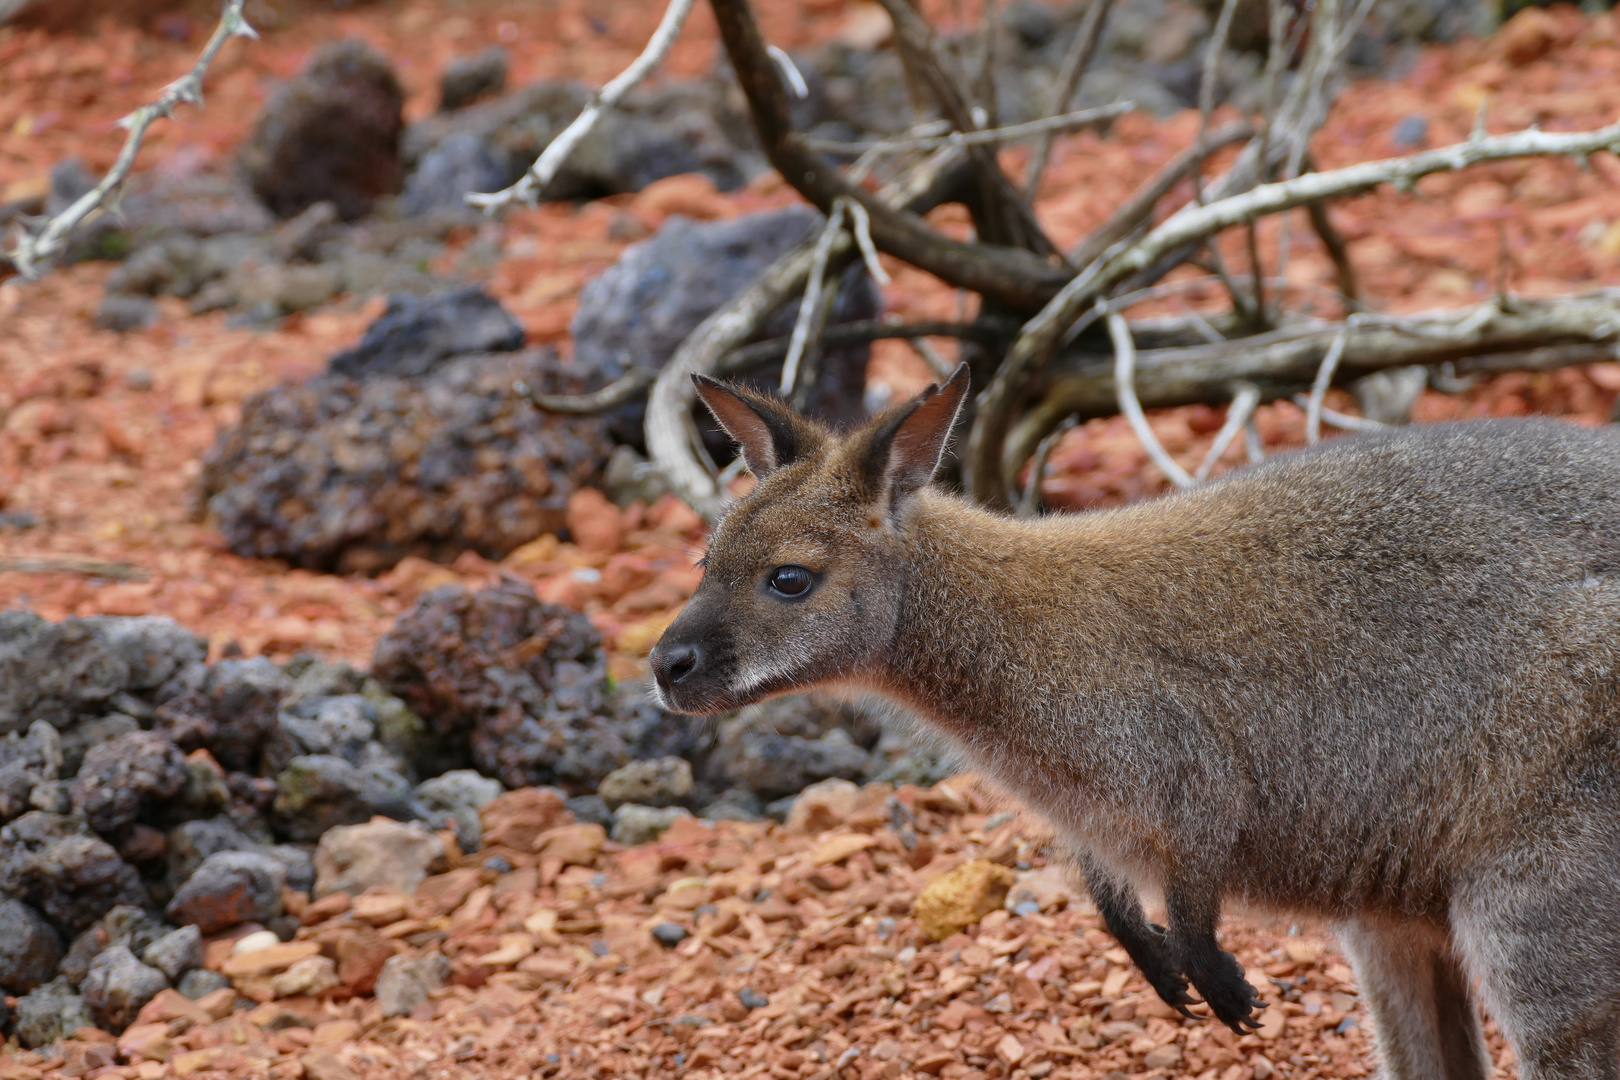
(905, 448)
(771, 434)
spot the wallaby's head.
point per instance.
(804, 579)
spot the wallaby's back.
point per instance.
(1355, 669)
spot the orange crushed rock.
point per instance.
(794, 967)
(554, 972)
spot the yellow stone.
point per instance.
(955, 901)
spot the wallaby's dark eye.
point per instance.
(790, 580)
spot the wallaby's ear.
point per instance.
(771, 435)
(905, 447)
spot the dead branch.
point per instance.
(33, 252)
(1530, 335)
(1009, 275)
(1071, 121)
(1237, 418)
(1074, 67)
(1131, 408)
(112, 571)
(545, 168)
(1001, 214)
(1195, 224)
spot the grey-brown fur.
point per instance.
(1376, 682)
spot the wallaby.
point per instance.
(1377, 681)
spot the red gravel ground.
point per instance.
(554, 972)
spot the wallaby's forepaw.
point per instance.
(1153, 960)
(1227, 993)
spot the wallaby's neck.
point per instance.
(1003, 619)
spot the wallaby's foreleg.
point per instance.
(1424, 1024)
(1217, 976)
(1144, 941)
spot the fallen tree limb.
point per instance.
(1196, 224)
(33, 252)
(1528, 335)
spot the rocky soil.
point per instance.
(323, 751)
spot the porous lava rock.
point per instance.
(635, 314)
(331, 134)
(524, 682)
(230, 887)
(350, 475)
(53, 862)
(118, 778)
(30, 948)
(118, 985)
(63, 671)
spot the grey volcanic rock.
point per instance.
(458, 795)
(30, 948)
(118, 985)
(415, 333)
(467, 78)
(176, 952)
(54, 863)
(658, 782)
(319, 792)
(331, 134)
(354, 475)
(51, 1012)
(780, 747)
(119, 778)
(441, 180)
(230, 887)
(637, 312)
(27, 761)
(58, 672)
(230, 714)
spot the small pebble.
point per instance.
(669, 934)
(885, 928)
(599, 948)
(1410, 131)
(259, 939)
(498, 864)
(751, 998)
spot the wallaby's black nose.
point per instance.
(675, 663)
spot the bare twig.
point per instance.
(34, 252)
(1029, 504)
(1068, 81)
(1324, 379)
(984, 137)
(1133, 212)
(1337, 419)
(545, 168)
(1125, 387)
(931, 356)
(621, 391)
(1001, 214)
(1337, 250)
(112, 571)
(1238, 415)
(812, 298)
(1206, 86)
